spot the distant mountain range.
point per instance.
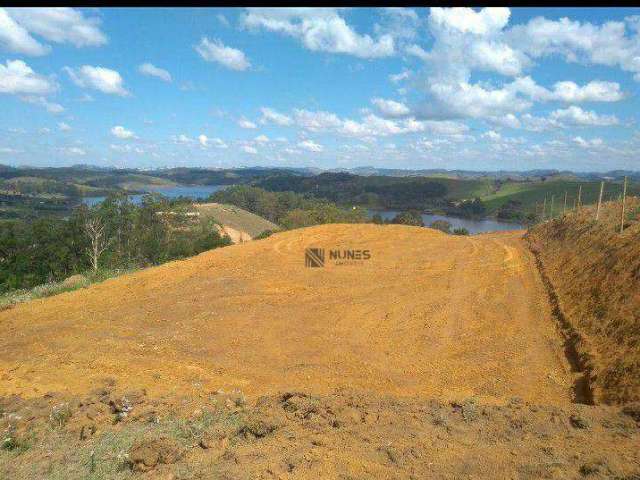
(369, 170)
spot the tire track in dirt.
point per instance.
(429, 315)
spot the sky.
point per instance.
(412, 88)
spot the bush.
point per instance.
(441, 225)
(460, 231)
(265, 234)
(410, 217)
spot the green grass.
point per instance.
(530, 193)
(9, 299)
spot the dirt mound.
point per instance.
(595, 272)
(296, 435)
(427, 314)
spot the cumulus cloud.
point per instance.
(64, 127)
(249, 149)
(372, 125)
(51, 107)
(153, 71)
(98, 78)
(216, 51)
(61, 25)
(577, 116)
(57, 25)
(271, 116)
(204, 141)
(15, 38)
(16, 77)
(261, 139)
(319, 29)
(594, 142)
(391, 108)
(120, 132)
(310, 146)
(613, 43)
(248, 124)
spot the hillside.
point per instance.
(236, 218)
(595, 272)
(436, 357)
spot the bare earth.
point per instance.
(429, 315)
(436, 358)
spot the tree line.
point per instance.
(115, 234)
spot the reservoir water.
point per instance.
(474, 226)
(195, 192)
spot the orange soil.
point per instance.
(429, 314)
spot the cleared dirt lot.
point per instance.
(429, 314)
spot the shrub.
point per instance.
(441, 225)
(460, 231)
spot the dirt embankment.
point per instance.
(595, 274)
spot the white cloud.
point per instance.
(249, 149)
(204, 141)
(261, 139)
(58, 25)
(15, 38)
(576, 116)
(219, 143)
(76, 151)
(594, 142)
(122, 133)
(182, 139)
(248, 124)
(316, 121)
(216, 51)
(467, 20)
(153, 71)
(17, 77)
(391, 108)
(64, 127)
(399, 77)
(607, 44)
(271, 116)
(595, 91)
(492, 135)
(99, 78)
(51, 107)
(319, 29)
(310, 146)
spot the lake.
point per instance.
(195, 192)
(474, 226)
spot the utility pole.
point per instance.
(599, 200)
(624, 194)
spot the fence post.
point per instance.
(551, 208)
(599, 200)
(564, 207)
(624, 194)
(579, 196)
(544, 209)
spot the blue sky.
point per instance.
(398, 88)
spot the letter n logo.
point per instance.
(314, 257)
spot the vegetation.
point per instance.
(116, 234)
(288, 209)
(441, 225)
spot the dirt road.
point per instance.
(427, 315)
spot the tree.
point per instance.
(410, 217)
(94, 228)
(377, 219)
